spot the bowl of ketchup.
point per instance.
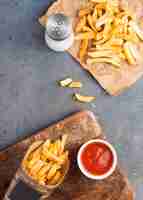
(97, 159)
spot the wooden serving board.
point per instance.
(80, 128)
(113, 80)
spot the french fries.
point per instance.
(34, 146)
(45, 160)
(65, 82)
(108, 24)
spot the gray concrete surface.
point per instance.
(30, 98)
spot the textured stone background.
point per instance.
(30, 98)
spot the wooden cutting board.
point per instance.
(113, 80)
(80, 127)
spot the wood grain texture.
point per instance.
(80, 127)
(113, 80)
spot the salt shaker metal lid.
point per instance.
(59, 26)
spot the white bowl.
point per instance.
(87, 173)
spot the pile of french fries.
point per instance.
(109, 33)
(45, 161)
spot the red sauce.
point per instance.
(97, 158)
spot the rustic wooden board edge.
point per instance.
(6, 153)
(114, 82)
(75, 117)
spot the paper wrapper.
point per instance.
(113, 80)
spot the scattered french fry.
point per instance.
(84, 99)
(65, 82)
(70, 84)
(75, 84)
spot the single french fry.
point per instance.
(84, 99)
(65, 82)
(52, 171)
(137, 29)
(132, 35)
(108, 60)
(104, 53)
(94, 15)
(135, 52)
(128, 54)
(91, 22)
(58, 147)
(55, 179)
(63, 142)
(83, 49)
(46, 145)
(75, 84)
(85, 35)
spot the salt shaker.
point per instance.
(58, 34)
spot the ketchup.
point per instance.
(97, 158)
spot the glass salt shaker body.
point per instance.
(58, 34)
